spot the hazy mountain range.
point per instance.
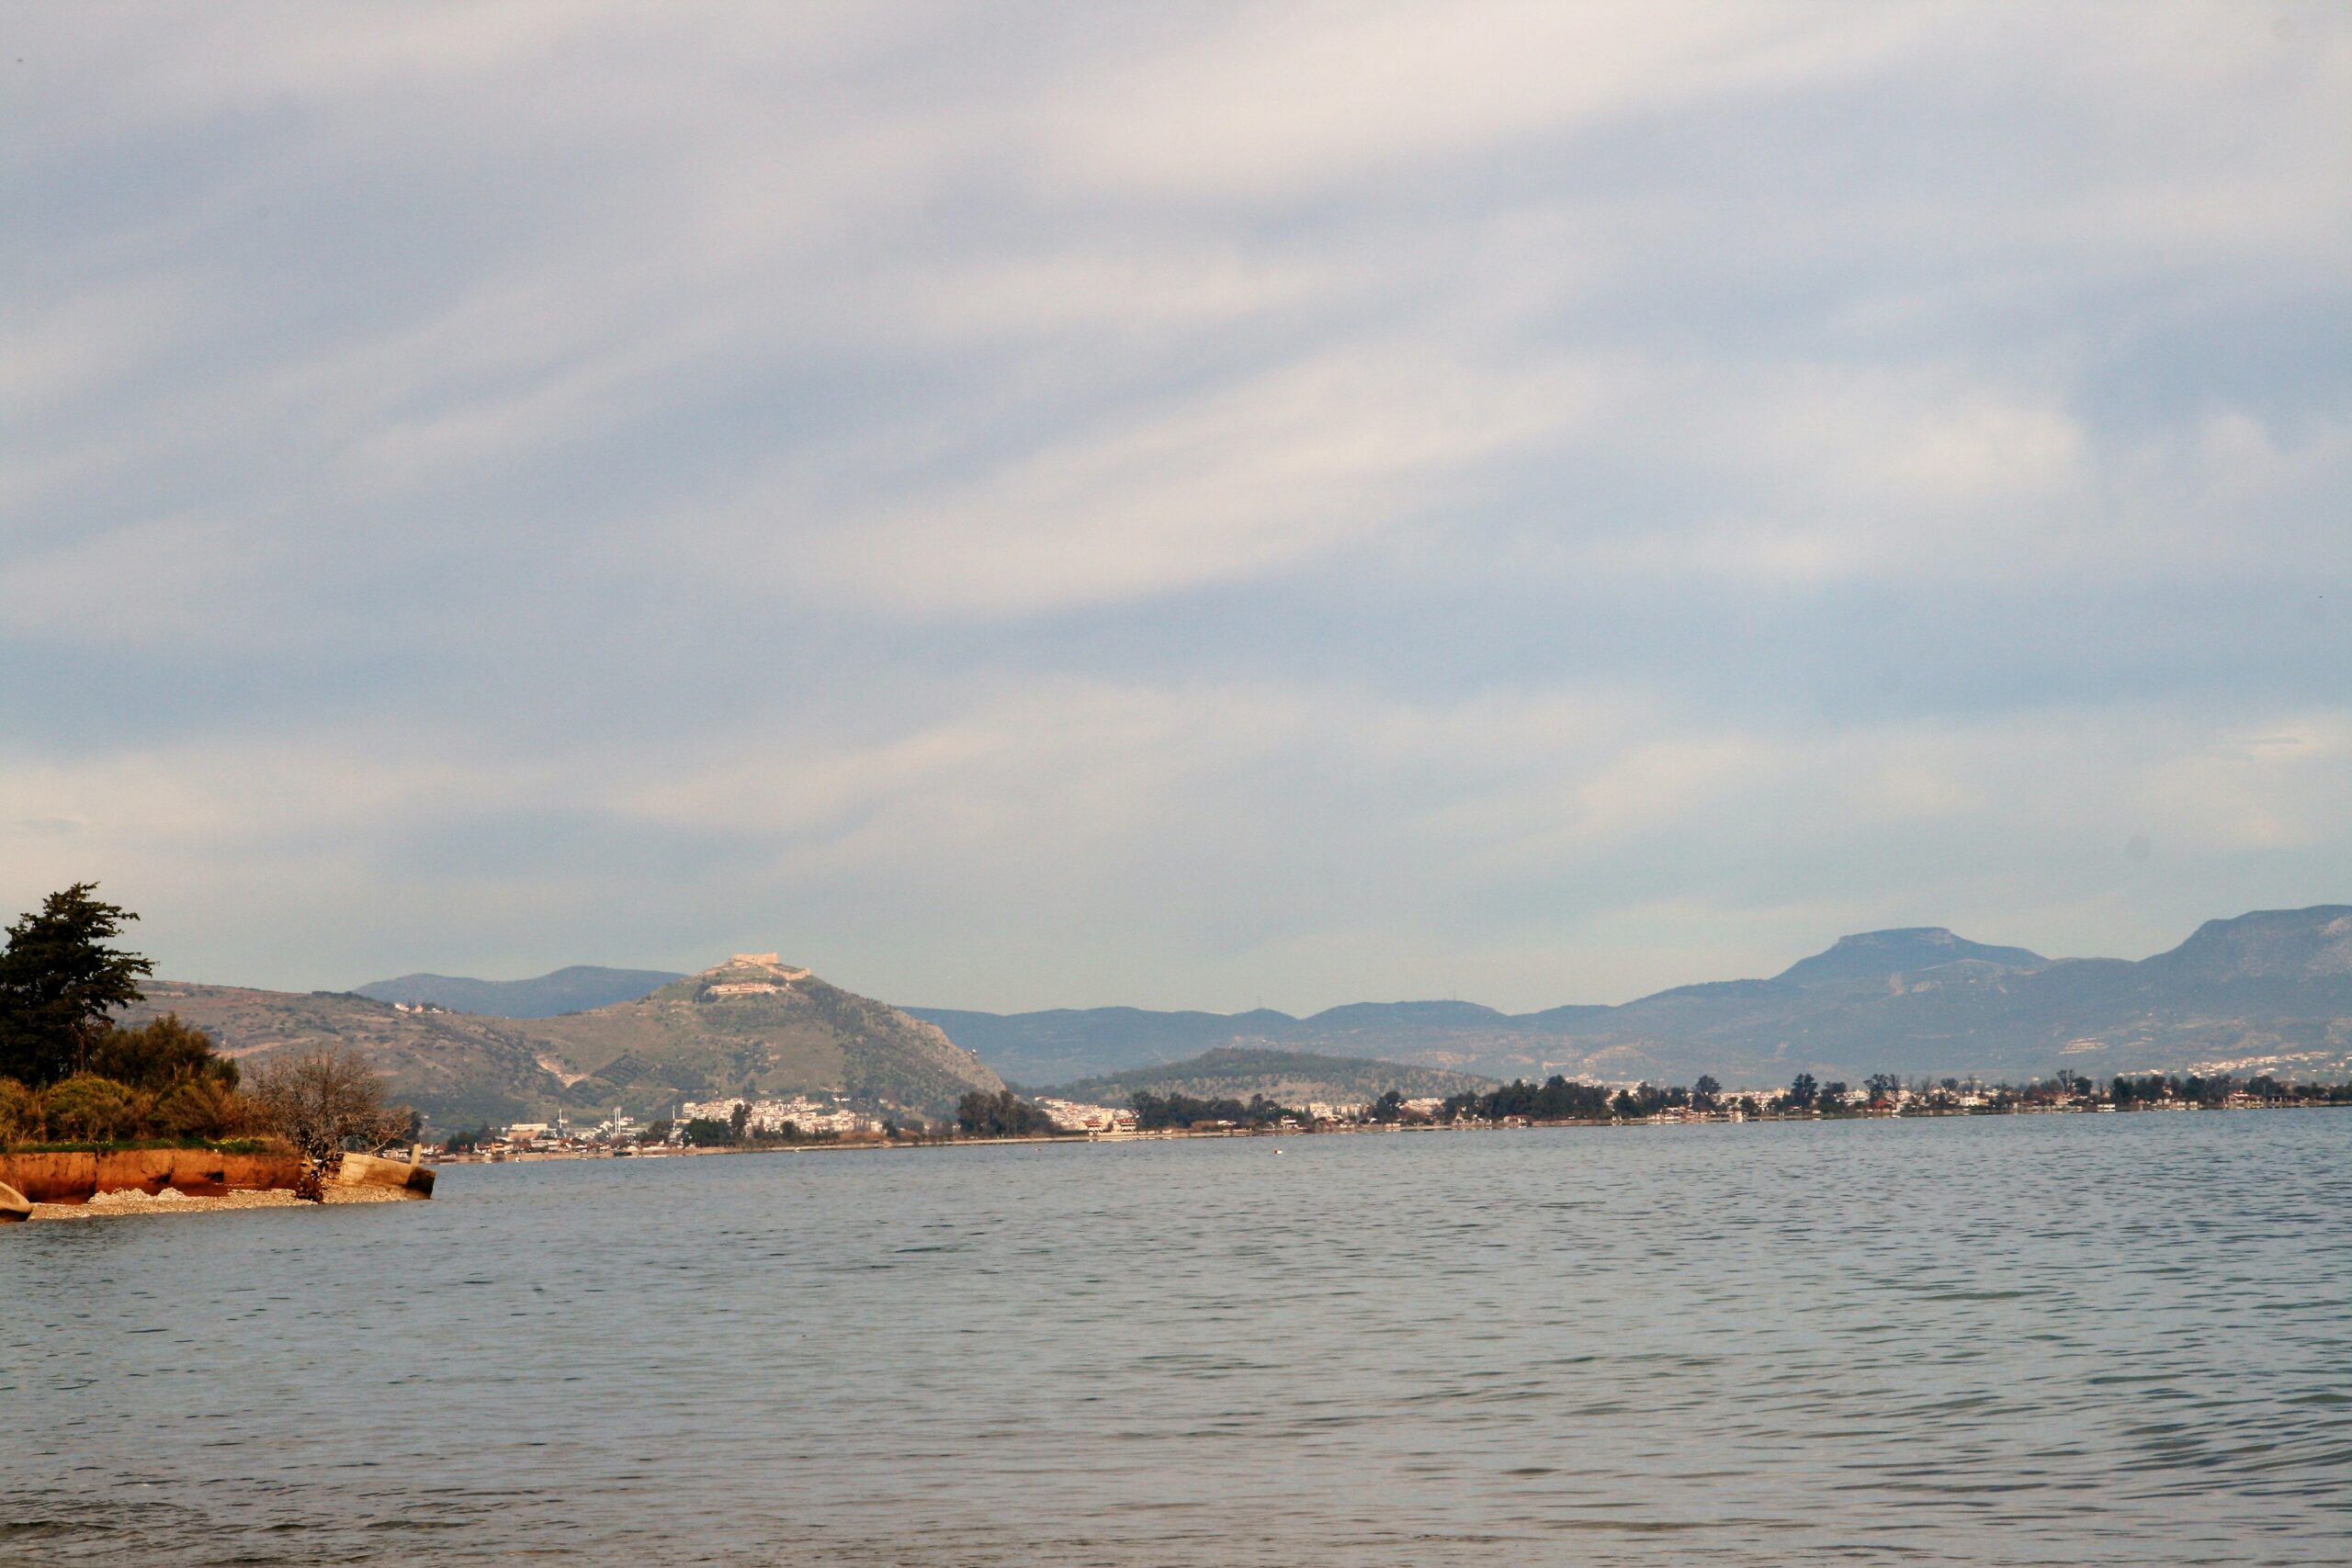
(2272, 988)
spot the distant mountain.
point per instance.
(1294, 1077)
(575, 990)
(2294, 945)
(748, 1026)
(1064, 1043)
(1874, 955)
(2269, 989)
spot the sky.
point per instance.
(1211, 506)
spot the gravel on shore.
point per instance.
(170, 1200)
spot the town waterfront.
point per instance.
(1986, 1340)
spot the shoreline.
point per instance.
(171, 1201)
(1512, 1125)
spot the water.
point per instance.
(2011, 1340)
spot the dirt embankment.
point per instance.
(197, 1173)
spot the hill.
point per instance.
(1294, 1077)
(575, 990)
(2272, 988)
(459, 1070)
(756, 1027)
(748, 1026)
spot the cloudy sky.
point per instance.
(1022, 505)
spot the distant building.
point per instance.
(799, 1113)
(758, 961)
(1074, 1116)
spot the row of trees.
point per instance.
(1155, 1112)
(1558, 1099)
(68, 1073)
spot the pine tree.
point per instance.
(60, 982)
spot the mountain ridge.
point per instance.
(1291, 1077)
(574, 989)
(2272, 986)
(2268, 985)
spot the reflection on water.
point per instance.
(2051, 1339)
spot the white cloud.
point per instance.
(1254, 478)
(1336, 500)
(1280, 100)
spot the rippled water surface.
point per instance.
(2037, 1339)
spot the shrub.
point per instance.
(203, 1108)
(86, 1106)
(20, 1112)
(159, 1054)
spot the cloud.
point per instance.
(1274, 102)
(1175, 504)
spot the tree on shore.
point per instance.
(61, 983)
(1003, 1114)
(324, 1102)
(1803, 1091)
(710, 1133)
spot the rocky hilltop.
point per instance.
(752, 1025)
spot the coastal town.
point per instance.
(736, 1125)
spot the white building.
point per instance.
(772, 1115)
(1075, 1116)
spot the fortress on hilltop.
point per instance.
(777, 980)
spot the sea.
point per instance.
(2018, 1339)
